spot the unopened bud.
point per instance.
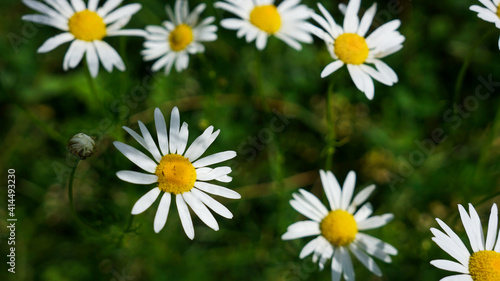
(81, 145)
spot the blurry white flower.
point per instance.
(337, 230)
(490, 14)
(85, 26)
(172, 43)
(483, 263)
(349, 46)
(259, 19)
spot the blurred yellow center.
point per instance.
(180, 37)
(87, 26)
(339, 228)
(175, 174)
(485, 266)
(351, 48)
(266, 18)
(498, 11)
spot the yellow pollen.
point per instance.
(485, 266)
(180, 37)
(175, 174)
(351, 48)
(498, 11)
(339, 228)
(266, 18)
(87, 26)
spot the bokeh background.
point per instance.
(426, 148)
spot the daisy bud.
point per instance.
(82, 145)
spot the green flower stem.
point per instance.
(330, 120)
(71, 205)
(465, 66)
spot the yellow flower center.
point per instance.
(485, 266)
(266, 18)
(351, 48)
(498, 11)
(87, 26)
(180, 37)
(339, 228)
(175, 174)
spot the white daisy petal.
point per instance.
(148, 139)
(78, 5)
(217, 190)
(200, 144)
(331, 68)
(185, 217)
(309, 248)
(136, 177)
(137, 157)
(492, 228)
(201, 210)
(214, 159)
(317, 210)
(55, 42)
(183, 138)
(363, 212)
(92, 60)
(174, 130)
(366, 260)
(337, 266)
(162, 212)
(301, 229)
(361, 197)
(124, 11)
(161, 131)
(375, 222)
(146, 201)
(212, 203)
(469, 229)
(367, 20)
(314, 201)
(346, 263)
(450, 266)
(108, 7)
(351, 20)
(92, 5)
(348, 190)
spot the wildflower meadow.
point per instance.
(284, 140)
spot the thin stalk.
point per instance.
(71, 204)
(465, 66)
(330, 137)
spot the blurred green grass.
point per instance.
(42, 106)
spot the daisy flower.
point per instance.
(490, 14)
(176, 39)
(337, 230)
(178, 173)
(259, 19)
(85, 26)
(483, 263)
(349, 46)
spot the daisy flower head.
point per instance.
(178, 173)
(337, 230)
(173, 42)
(349, 45)
(490, 12)
(85, 26)
(259, 19)
(483, 264)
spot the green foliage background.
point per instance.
(41, 106)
